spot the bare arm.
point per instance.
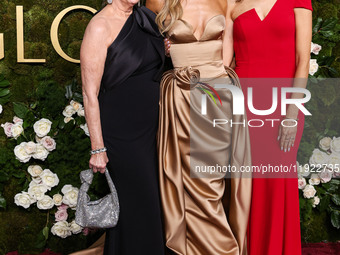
(303, 23)
(155, 5)
(303, 20)
(228, 48)
(92, 58)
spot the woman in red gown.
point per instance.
(271, 39)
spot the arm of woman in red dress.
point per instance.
(92, 59)
(303, 24)
(228, 42)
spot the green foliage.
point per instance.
(38, 91)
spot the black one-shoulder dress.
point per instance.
(129, 102)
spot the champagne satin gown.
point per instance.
(204, 213)
(266, 49)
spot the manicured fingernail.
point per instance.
(289, 149)
(282, 148)
(285, 150)
(278, 138)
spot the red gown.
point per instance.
(266, 49)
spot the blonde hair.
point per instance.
(172, 8)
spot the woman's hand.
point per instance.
(167, 44)
(98, 162)
(287, 134)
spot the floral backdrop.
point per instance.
(44, 141)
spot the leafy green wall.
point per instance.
(20, 228)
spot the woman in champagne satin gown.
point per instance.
(204, 213)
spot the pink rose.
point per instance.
(63, 207)
(86, 231)
(7, 128)
(17, 120)
(61, 215)
(48, 143)
(325, 176)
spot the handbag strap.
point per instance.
(110, 182)
(86, 178)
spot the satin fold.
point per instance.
(195, 217)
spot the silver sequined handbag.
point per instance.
(102, 213)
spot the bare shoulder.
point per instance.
(99, 26)
(155, 5)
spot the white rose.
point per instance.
(302, 170)
(16, 130)
(315, 48)
(316, 201)
(23, 199)
(7, 128)
(42, 127)
(49, 179)
(17, 120)
(67, 188)
(70, 197)
(57, 199)
(81, 112)
(85, 128)
(314, 179)
(335, 145)
(325, 143)
(41, 153)
(76, 105)
(37, 139)
(45, 203)
(30, 147)
(0, 108)
(318, 157)
(61, 229)
(302, 183)
(21, 154)
(309, 191)
(334, 164)
(37, 190)
(75, 228)
(313, 66)
(34, 170)
(48, 142)
(68, 119)
(36, 180)
(69, 111)
(326, 176)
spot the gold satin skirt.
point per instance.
(204, 213)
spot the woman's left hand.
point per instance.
(287, 134)
(167, 45)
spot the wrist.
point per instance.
(96, 151)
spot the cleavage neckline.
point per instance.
(205, 27)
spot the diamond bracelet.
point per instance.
(98, 151)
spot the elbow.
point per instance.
(89, 96)
(302, 63)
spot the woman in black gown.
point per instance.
(121, 99)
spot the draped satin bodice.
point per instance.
(205, 53)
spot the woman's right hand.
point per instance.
(98, 162)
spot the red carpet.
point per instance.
(321, 249)
(307, 249)
(46, 252)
